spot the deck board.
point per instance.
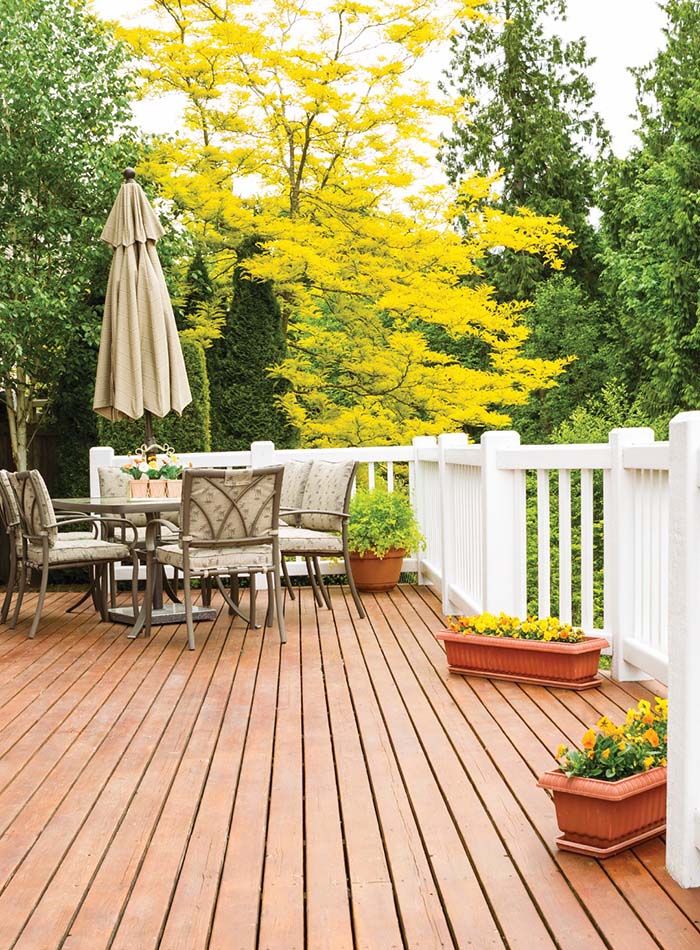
(344, 790)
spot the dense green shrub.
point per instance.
(244, 398)
(381, 520)
(190, 432)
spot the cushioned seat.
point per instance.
(201, 559)
(306, 541)
(66, 551)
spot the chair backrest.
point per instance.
(115, 484)
(35, 505)
(296, 475)
(328, 488)
(224, 505)
(9, 509)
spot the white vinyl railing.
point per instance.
(607, 536)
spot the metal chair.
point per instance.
(321, 528)
(44, 549)
(228, 526)
(11, 522)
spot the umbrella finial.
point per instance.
(129, 174)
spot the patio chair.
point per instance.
(228, 526)
(11, 522)
(44, 549)
(319, 528)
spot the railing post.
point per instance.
(502, 514)
(416, 489)
(262, 454)
(619, 540)
(453, 440)
(101, 456)
(682, 838)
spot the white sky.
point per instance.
(619, 33)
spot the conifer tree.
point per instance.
(245, 399)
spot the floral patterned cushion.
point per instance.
(257, 557)
(229, 503)
(325, 490)
(304, 541)
(296, 474)
(66, 551)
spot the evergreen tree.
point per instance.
(528, 111)
(244, 397)
(652, 223)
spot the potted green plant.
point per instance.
(381, 529)
(611, 794)
(535, 650)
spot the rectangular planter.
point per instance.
(603, 818)
(547, 663)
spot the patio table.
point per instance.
(152, 508)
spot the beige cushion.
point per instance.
(66, 551)
(325, 490)
(296, 474)
(203, 559)
(306, 541)
(35, 503)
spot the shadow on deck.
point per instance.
(343, 791)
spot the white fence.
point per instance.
(606, 536)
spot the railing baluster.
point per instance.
(565, 545)
(543, 545)
(390, 476)
(587, 550)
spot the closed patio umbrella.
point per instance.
(140, 368)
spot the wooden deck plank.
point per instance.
(344, 790)
(467, 908)
(327, 913)
(237, 911)
(282, 924)
(375, 919)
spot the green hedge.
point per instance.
(190, 432)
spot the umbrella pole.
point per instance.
(149, 428)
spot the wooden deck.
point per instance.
(343, 791)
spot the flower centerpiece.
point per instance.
(534, 650)
(611, 794)
(154, 475)
(382, 527)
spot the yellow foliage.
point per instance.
(306, 128)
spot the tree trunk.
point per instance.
(17, 415)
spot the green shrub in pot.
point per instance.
(381, 529)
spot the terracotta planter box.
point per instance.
(603, 818)
(374, 574)
(138, 488)
(173, 487)
(570, 665)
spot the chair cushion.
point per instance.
(65, 535)
(85, 550)
(306, 541)
(206, 559)
(296, 475)
(325, 490)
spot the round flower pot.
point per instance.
(173, 487)
(547, 663)
(374, 574)
(138, 488)
(157, 488)
(603, 818)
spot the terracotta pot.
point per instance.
(603, 818)
(138, 487)
(375, 574)
(157, 488)
(173, 488)
(549, 663)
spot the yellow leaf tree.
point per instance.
(305, 124)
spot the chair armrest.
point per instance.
(98, 520)
(151, 526)
(313, 511)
